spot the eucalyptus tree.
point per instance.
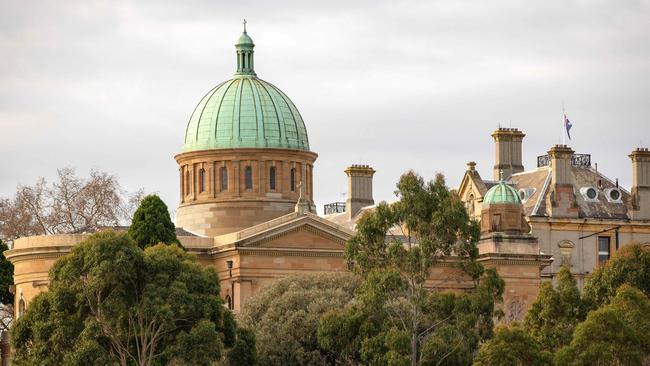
(395, 318)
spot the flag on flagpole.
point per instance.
(567, 126)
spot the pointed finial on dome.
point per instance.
(244, 25)
(501, 175)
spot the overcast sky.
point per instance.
(398, 85)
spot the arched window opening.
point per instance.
(21, 307)
(229, 302)
(248, 177)
(202, 180)
(292, 179)
(224, 179)
(272, 178)
(187, 182)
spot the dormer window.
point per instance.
(526, 193)
(590, 194)
(613, 194)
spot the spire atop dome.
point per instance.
(244, 48)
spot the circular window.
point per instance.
(591, 193)
(615, 194)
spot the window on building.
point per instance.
(187, 182)
(603, 248)
(224, 179)
(248, 177)
(201, 180)
(229, 302)
(21, 307)
(496, 222)
(292, 179)
(272, 178)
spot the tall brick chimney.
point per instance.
(640, 200)
(561, 200)
(508, 152)
(359, 189)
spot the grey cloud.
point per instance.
(400, 85)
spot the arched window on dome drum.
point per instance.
(202, 180)
(224, 179)
(272, 178)
(248, 177)
(292, 179)
(187, 182)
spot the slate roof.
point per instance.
(583, 177)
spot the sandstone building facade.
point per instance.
(579, 216)
(246, 203)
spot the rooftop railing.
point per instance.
(334, 207)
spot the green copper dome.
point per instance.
(501, 193)
(245, 112)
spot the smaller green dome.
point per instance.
(244, 40)
(501, 193)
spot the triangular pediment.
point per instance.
(293, 231)
(472, 184)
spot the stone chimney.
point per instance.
(359, 189)
(561, 201)
(640, 200)
(508, 152)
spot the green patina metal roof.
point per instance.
(501, 193)
(245, 112)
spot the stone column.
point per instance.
(359, 189)
(640, 200)
(507, 143)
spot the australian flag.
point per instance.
(567, 126)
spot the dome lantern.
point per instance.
(244, 48)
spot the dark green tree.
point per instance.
(151, 223)
(243, 352)
(395, 318)
(615, 334)
(631, 265)
(6, 276)
(111, 303)
(512, 346)
(285, 315)
(555, 313)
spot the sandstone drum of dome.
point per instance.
(245, 157)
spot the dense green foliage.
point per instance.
(555, 313)
(285, 316)
(631, 265)
(110, 302)
(367, 331)
(151, 223)
(6, 277)
(512, 346)
(394, 318)
(243, 352)
(608, 325)
(615, 334)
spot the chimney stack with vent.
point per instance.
(359, 189)
(508, 152)
(561, 200)
(640, 200)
